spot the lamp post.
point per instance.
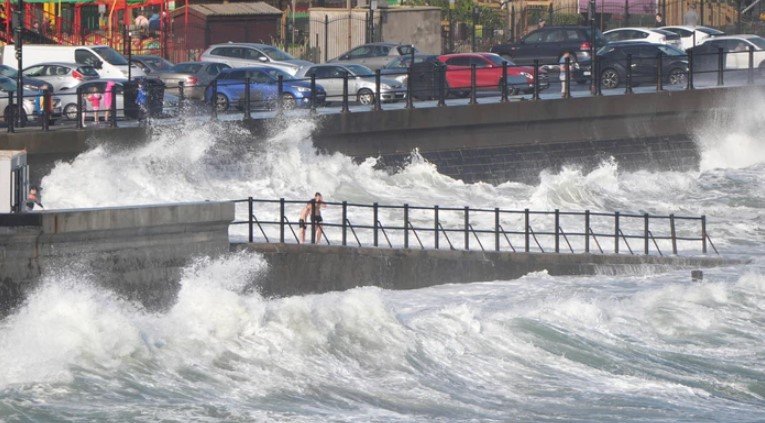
(20, 66)
(594, 77)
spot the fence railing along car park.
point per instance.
(434, 83)
(466, 228)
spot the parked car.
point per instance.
(264, 89)
(196, 76)
(736, 49)
(650, 35)
(32, 84)
(548, 44)
(374, 55)
(397, 68)
(108, 62)
(33, 100)
(252, 54)
(152, 65)
(692, 35)
(361, 83)
(61, 76)
(613, 63)
(488, 74)
(124, 102)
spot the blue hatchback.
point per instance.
(264, 89)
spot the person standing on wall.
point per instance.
(564, 64)
(315, 204)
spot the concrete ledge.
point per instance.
(303, 269)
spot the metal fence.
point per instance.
(466, 228)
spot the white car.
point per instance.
(650, 35)
(238, 55)
(361, 83)
(736, 50)
(692, 35)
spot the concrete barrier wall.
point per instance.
(137, 251)
(304, 269)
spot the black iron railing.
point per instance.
(467, 228)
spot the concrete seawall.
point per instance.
(305, 269)
(137, 251)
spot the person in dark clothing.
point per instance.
(316, 204)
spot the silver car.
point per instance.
(196, 76)
(375, 55)
(32, 102)
(61, 76)
(239, 55)
(361, 83)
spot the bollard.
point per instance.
(628, 78)
(472, 84)
(10, 117)
(503, 83)
(79, 108)
(344, 108)
(377, 103)
(659, 73)
(247, 98)
(535, 95)
(720, 66)
(46, 109)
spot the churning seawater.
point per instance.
(647, 347)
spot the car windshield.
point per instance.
(360, 70)
(276, 54)
(274, 73)
(710, 31)
(7, 71)
(759, 42)
(159, 63)
(190, 68)
(670, 50)
(7, 84)
(497, 59)
(111, 56)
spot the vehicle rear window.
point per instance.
(670, 35)
(710, 31)
(87, 71)
(187, 68)
(111, 56)
(758, 41)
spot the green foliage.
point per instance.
(463, 12)
(566, 19)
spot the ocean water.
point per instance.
(642, 347)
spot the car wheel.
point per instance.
(288, 101)
(70, 111)
(365, 96)
(8, 113)
(609, 78)
(221, 102)
(676, 77)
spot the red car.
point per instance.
(488, 67)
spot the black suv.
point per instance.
(549, 43)
(613, 64)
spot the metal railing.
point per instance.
(467, 228)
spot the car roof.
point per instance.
(633, 28)
(564, 27)
(632, 44)
(203, 62)
(146, 56)
(233, 44)
(733, 37)
(69, 64)
(250, 68)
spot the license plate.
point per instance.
(586, 73)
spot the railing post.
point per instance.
(181, 94)
(496, 229)
(11, 116)
(472, 85)
(344, 108)
(526, 228)
(535, 94)
(249, 219)
(645, 233)
(113, 108)
(567, 78)
(672, 233)
(435, 227)
(750, 74)
(313, 221)
(406, 225)
(46, 109)
(628, 77)
(690, 70)
(247, 98)
(279, 95)
(503, 87)
(557, 231)
(345, 223)
(704, 234)
(281, 220)
(374, 216)
(720, 66)
(467, 227)
(214, 99)
(409, 99)
(313, 93)
(659, 73)
(441, 86)
(616, 233)
(79, 108)
(377, 101)
(586, 231)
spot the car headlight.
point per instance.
(527, 75)
(385, 87)
(303, 89)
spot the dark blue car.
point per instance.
(264, 89)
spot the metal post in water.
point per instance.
(214, 99)
(113, 109)
(344, 108)
(249, 218)
(496, 229)
(557, 231)
(313, 221)
(704, 234)
(645, 233)
(472, 84)
(247, 98)
(441, 86)
(467, 228)
(377, 103)
(526, 228)
(535, 95)
(690, 69)
(435, 227)
(409, 99)
(616, 233)
(750, 74)
(720, 66)
(503, 87)
(313, 93)
(345, 223)
(586, 231)
(659, 73)
(79, 108)
(406, 225)
(280, 95)
(375, 218)
(281, 220)
(672, 233)
(628, 78)
(567, 78)
(181, 94)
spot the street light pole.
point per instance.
(20, 66)
(594, 77)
